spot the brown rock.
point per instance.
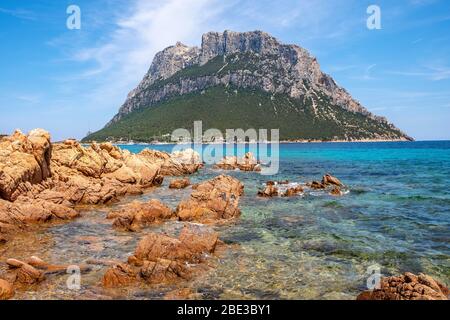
(178, 163)
(28, 275)
(247, 163)
(269, 191)
(407, 287)
(290, 192)
(159, 258)
(336, 191)
(316, 185)
(329, 179)
(136, 215)
(179, 183)
(41, 182)
(6, 290)
(212, 200)
(24, 161)
(119, 275)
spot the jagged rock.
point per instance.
(270, 190)
(247, 163)
(136, 215)
(407, 287)
(293, 191)
(41, 182)
(24, 161)
(6, 290)
(180, 183)
(159, 258)
(212, 200)
(329, 179)
(119, 275)
(316, 185)
(178, 163)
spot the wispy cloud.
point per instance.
(435, 73)
(19, 13)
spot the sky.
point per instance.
(71, 81)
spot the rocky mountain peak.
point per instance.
(244, 60)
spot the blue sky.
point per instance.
(73, 81)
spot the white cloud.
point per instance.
(121, 61)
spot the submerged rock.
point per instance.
(212, 200)
(407, 287)
(246, 163)
(136, 215)
(180, 183)
(159, 258)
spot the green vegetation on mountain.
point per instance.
(231, 108)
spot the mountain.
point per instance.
(243, 80)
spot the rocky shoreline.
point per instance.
(41, 182)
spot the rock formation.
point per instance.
(213, 200)
(160, 259)
(180, 183)
(246, 163)
(136, 215)
(408, 287)
(41, 181)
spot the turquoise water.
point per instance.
(397, 215)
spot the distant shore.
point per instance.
(281, 142)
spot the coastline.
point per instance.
(122, 143)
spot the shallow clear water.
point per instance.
(397, 215)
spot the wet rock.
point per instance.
(293, 191)
(212, 200)
(336, 191)
(179, 183)
(28, 275)
(316, 185)
(329, 179)
(159, 258)
(49, 268)
(270, 190)
(136, 215)
(246, 163)
(407, 287)
(6, 290)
